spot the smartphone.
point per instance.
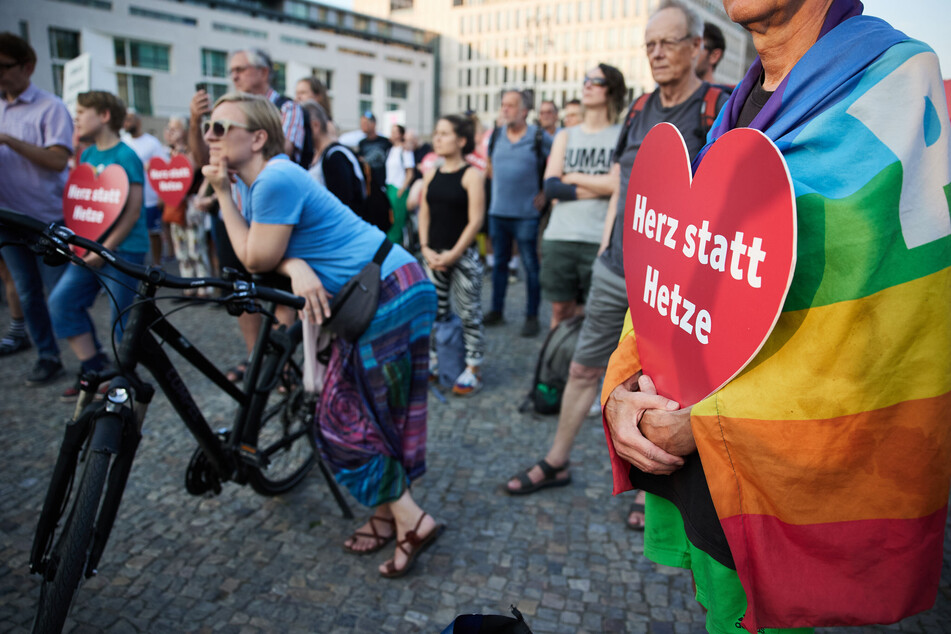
(201, 86)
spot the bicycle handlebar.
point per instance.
(53, 238)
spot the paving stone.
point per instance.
(240, 562)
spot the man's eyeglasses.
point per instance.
(10, 65)
(237, 70)
(220, 127)
(600, 82)
(665, 45)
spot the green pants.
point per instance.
(398, 204)
(718, 588)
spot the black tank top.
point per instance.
(448, 209)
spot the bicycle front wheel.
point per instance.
(68, 560)
(284, 437)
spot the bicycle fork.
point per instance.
(115, 430)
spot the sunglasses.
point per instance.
(600, 82)
(220, 127)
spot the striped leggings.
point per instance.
(461, 287)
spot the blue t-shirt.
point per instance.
(327, 234)
(125, 157)
(515, 170)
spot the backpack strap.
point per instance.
(540, 159)
(708, 112)
(639, 104)
(493, 139)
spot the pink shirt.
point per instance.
(39, 118)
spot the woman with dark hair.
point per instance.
(371, 418)
(312, 89)
(451, 212)
(577, 178)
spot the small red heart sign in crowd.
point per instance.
(171, 180)
(708, 260)
(91, 203)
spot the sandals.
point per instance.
(412, 546)
(550, 479)
(635, 508)
(236, 372)
(379, 540)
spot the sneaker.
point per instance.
(530, 328)
(468, 383)
(595, 409)
(13, 343)
(44, 371)
(493, 318)
(513, 276)
(433, 367)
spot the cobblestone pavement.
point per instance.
(245, 563)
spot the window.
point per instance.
(279, 77)
(136, 91)
(141, 54)
(161, 15)
(397, 89)
(366, 84)
(325, 76)
(214, 63)
(64, 46)
(216, 90)
(366, 105)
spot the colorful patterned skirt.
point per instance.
(371, 418)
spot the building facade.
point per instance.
(153, 53)
(544, 45)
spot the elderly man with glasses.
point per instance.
(673, 37)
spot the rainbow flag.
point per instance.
(828, 458)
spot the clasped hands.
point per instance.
(649, 431)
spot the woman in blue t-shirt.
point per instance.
(372, 412)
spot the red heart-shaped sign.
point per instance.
(91, 204)
(707, 260)
(170, 180)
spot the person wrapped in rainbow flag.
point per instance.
(812, 489)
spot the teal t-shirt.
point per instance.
(122, 155)
(336, 242)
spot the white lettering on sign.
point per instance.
(85, 214)
(100, 195)
(712, 249)
(652, 224)
(668, 301)
(171, 186)
(178, 172)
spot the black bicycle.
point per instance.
(269, 445)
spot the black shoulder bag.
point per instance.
(353, 307)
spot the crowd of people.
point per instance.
(276, 190)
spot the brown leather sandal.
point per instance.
(412, 545)
(379, 541)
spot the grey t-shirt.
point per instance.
(515, 171)
(688, 117)
(586, 153)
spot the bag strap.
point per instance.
(639, 104)
(708, 112)
(382, 252)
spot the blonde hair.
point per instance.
(261, 115)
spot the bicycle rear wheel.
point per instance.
(283, 437)
(68, 560)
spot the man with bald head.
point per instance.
(812, 489)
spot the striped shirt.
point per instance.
(292, 120)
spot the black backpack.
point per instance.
(552, 367)
(307, 151)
